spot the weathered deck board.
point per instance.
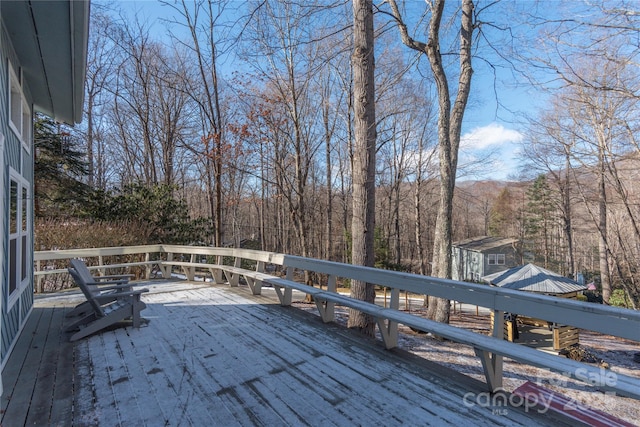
(48, 367)
(211, 355)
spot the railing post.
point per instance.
(166, 270)
(216, 274)
(38, 279)
(389, 328)
(147, 267)
(234, 278)
(287, 295)
(101, 271)
(491, 362)
(256, 287)
(190, 271)
(330, 306)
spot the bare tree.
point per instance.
(450, 117)
(101, 65)
(201, 19)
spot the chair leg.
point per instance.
(77, 324)
(79, 309)
(114, 316)
(135, 308)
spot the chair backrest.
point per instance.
(88, 293)
(81, 269)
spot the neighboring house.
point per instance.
(481, 256)
(43, 51)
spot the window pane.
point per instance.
(24, 258)
(16, 103)
(13, 216)
(25, 208)
(26, 126)
(13, 273)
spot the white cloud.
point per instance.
(491, 136)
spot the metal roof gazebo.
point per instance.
(532, 278)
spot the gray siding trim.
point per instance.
(13, 155)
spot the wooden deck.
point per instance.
(218, 356)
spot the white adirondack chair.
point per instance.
(97, 285)
(106, 310)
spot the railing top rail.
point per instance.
(94, 252)
(595, 317)
(271, 257)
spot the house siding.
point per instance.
(14, 156)
(471, 264)
(510, 260)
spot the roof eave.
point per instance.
(52, 57)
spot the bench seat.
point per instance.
(486, 347)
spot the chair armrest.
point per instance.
(114, 277)
(122, 287)
(109, 282)
(136, 292)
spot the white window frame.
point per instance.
(496, 259)
(20, 118)
(22, 236)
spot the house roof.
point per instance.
(532, 278)
(50, 39)
(483, 243)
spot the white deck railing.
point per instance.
(608, 320)
(254, 266)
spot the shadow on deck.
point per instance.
(214, 355)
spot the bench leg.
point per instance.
(190, 272)
(285, 296)
(389, 332)
(326, 309)
(166, 271)
(254, 285)
(232, 278)
(492, 366)
(216, 275)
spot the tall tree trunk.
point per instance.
(605, 277)
(207, 60)
(263, 199)
(364, 158)
(417, 206)
(449, 129)
(568, 229)
(329, 225)
(396, 224)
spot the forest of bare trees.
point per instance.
(250, 113)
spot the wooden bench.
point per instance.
(550, 400)
(102, 269)
(232, 273)
(489, 349)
